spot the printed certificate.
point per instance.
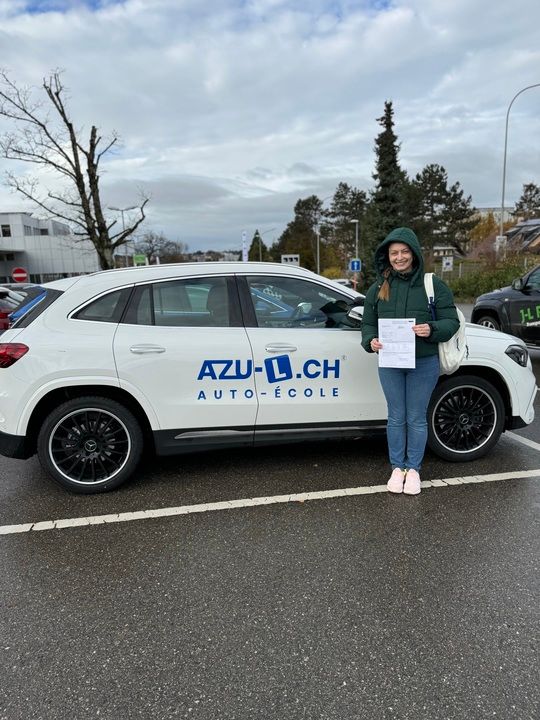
(398, 340)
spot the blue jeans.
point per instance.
(407, 392)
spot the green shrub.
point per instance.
(486, 280)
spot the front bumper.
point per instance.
(519, 421)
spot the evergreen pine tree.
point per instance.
(299, 236)
(528, 205)
(348, 204)
(387, 205)
(389, 177)
(459, 217)
(440, 215)
(431, 196)
(257, 250)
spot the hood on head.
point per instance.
(403, 235)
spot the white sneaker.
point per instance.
(395, 484)
(412, 482)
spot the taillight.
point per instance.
(11, 352)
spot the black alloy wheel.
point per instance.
(465, 418)
(90, 444)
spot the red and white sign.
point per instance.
(19, 274)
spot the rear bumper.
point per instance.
(14, 446)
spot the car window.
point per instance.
(293, 302)
(107, 308)
(25, 303)
(533, 281)
(191, 302)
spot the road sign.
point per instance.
(19, 274)
(500, 243)
(448, 263)
(290, 259)
(355, 265)
(139, 259)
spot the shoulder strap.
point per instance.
(428, 285)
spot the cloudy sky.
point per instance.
(231, 110)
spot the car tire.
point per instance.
(90, 444)
(489, 321)
(465, 418)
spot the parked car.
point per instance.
(191, 357)
(514, 309)
(13, 298)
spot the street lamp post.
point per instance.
(122, 211)
(356, 224)
(505, 148)
(260, 240)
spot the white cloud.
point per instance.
(231, 111)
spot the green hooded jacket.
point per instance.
(408, 298)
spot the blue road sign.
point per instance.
(355, 265)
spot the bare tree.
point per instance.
(156, 245)
(44, 135)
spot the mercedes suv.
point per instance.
(191, 357)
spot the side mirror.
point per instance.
(356, 312)
(304, 308)
(517, 284)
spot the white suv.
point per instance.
(189, 357)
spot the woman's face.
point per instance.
(401, 257)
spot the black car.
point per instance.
(514, 309)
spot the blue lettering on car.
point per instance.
(278, 369)
(225, 370)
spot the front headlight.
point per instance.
(518, 353)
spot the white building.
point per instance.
(483, 212)
(440, 251)
(46, 249)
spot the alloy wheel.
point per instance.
(464, 419)
(89, 446)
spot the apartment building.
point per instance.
(46, 249)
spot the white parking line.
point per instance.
(525, 441)
(252, 502)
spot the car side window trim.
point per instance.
(131, 316)
(119, 309)
(533, 281)
(246, 303)
(250, 312)
(33, 312)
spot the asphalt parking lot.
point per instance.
(218, 587)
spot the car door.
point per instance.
(525, 312)
(310, 368)
(182, 349)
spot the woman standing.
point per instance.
(399, 293)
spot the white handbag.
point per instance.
(451, 352)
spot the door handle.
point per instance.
(280, 347)
(146, 349)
